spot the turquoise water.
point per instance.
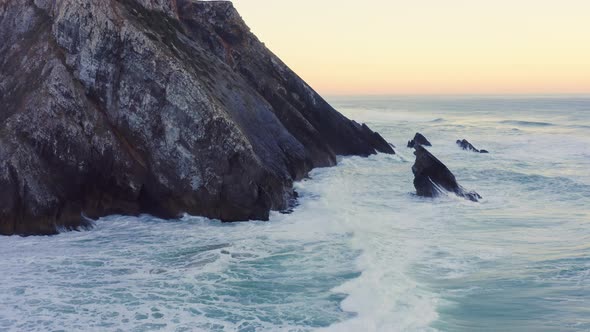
(361, 252)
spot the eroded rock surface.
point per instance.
(432, 177)
(152, 106)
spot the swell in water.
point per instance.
(527, 123)
(361, 252)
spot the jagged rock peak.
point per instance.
(419, 139)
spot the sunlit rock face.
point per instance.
(152, 106)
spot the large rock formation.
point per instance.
(432, 177)
(152, 106)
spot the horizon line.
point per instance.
(467, 94)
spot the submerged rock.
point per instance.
(419, 139)
(143, 106)
(465, 145)
(432, 177)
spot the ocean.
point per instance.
(361, 252)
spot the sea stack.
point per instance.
(419, 139)
(432, 177)
(465, 145)
(162, 107)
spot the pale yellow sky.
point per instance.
(429, 46)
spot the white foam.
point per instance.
(361, 252)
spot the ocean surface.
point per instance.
(361, 252)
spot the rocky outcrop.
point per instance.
(432, 177)
(152, 106)
(465, 145)
(419, 139)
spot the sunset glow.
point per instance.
(429, 46)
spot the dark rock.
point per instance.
(432, 177)
(465, 145)
(419, 139)
(152, 106)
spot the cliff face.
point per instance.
(152, 106)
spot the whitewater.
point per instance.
(360, 252)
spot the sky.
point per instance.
(429, 46)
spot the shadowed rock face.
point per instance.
(432, 177)
(419, 139)
(465, 145)
(152, 106)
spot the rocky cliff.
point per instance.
(152, 106)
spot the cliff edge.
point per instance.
(152, 106)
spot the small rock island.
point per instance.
(419, 139)
(465, 145)
(432, 178)
(152, 106)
